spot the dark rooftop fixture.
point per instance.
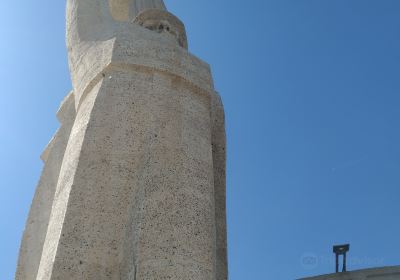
(341, 250)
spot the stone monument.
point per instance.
(133, 186)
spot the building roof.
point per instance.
(382, 273)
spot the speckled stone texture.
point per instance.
(133, 186)
(383, 273)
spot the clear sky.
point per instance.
(311, 92)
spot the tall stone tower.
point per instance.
(133, 186)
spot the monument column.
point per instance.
(141, 189)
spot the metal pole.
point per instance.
(337, 263)
(344, 263)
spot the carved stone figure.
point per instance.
(133, 185)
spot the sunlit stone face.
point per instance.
(119, 9)
(127, 10)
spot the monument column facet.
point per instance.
(140, 189)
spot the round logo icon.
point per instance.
(309, 261)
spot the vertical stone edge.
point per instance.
(63, 186)
(39, 215)
(219, 163)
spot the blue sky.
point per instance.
(311, 92)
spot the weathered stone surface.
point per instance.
(139, 189)
(384, 273)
